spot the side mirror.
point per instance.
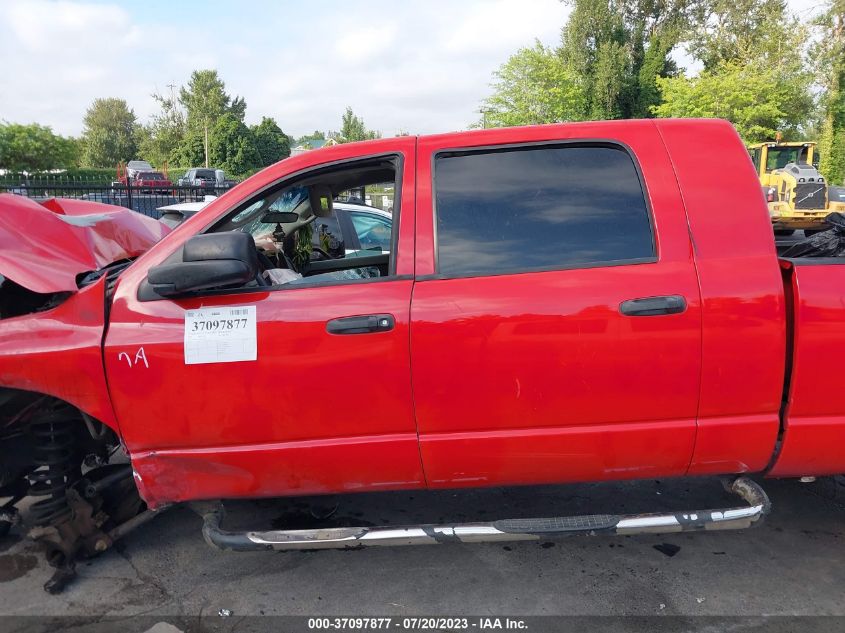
(215, 260)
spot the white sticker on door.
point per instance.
(220, 335)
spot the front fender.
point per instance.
(58, 352)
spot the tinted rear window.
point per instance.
(539, 208)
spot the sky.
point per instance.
(420, 66)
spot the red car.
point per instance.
(153, 180)
(560, 303)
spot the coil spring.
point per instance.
(53, 455)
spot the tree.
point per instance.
(753, 31)
(190, 152)
(759, 101)
(29, 148)
(656, 64)
(618, 48)
(272, 144)
(829, 59)
(533, 86)
(754, 73)
(206, 101)
(233, 147)
(109, 135)
(166, 131)
(353, 128)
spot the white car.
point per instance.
(352, 228)
(172, 215)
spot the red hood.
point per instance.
(43, 247)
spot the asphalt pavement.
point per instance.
(793, 564)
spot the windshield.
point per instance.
(249, 220)
(205, 173)
(778, 157)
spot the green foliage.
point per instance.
(190, 151)
(591, 42)
(754, 73)
(205, 100)
(90, 175)
(532, 87)
(829, 60)
(609, 84)
(618, 48)
(302, 245)
(353, 128)
(655, 64)
(614, 61)
(272, 144)
(759, 101)
(232, 146)
(761, 31)
(611, 54)
(30, 148)
(109, 136)
(158, 140)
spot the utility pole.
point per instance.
(484, 112)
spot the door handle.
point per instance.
(364, 324)
(653, 306)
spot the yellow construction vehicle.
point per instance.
(797, 194)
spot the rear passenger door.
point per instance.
(555, 321)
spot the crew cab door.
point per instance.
(555, 323)
(322, 407)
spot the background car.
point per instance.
(153, 180)
(199, 177)
(357, 227)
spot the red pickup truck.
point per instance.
(560, 303)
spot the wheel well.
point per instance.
(20, 412)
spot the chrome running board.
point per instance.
(502, 530)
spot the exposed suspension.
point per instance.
(84, 496)
(54, 457)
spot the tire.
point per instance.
(784, 232)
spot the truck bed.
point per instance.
(813, 429)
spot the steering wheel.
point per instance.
(265, 261)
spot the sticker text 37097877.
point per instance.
(220, 335)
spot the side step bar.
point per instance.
(502, 530)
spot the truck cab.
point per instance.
(558, 303)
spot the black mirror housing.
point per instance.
(215, 260)
(279, 217)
